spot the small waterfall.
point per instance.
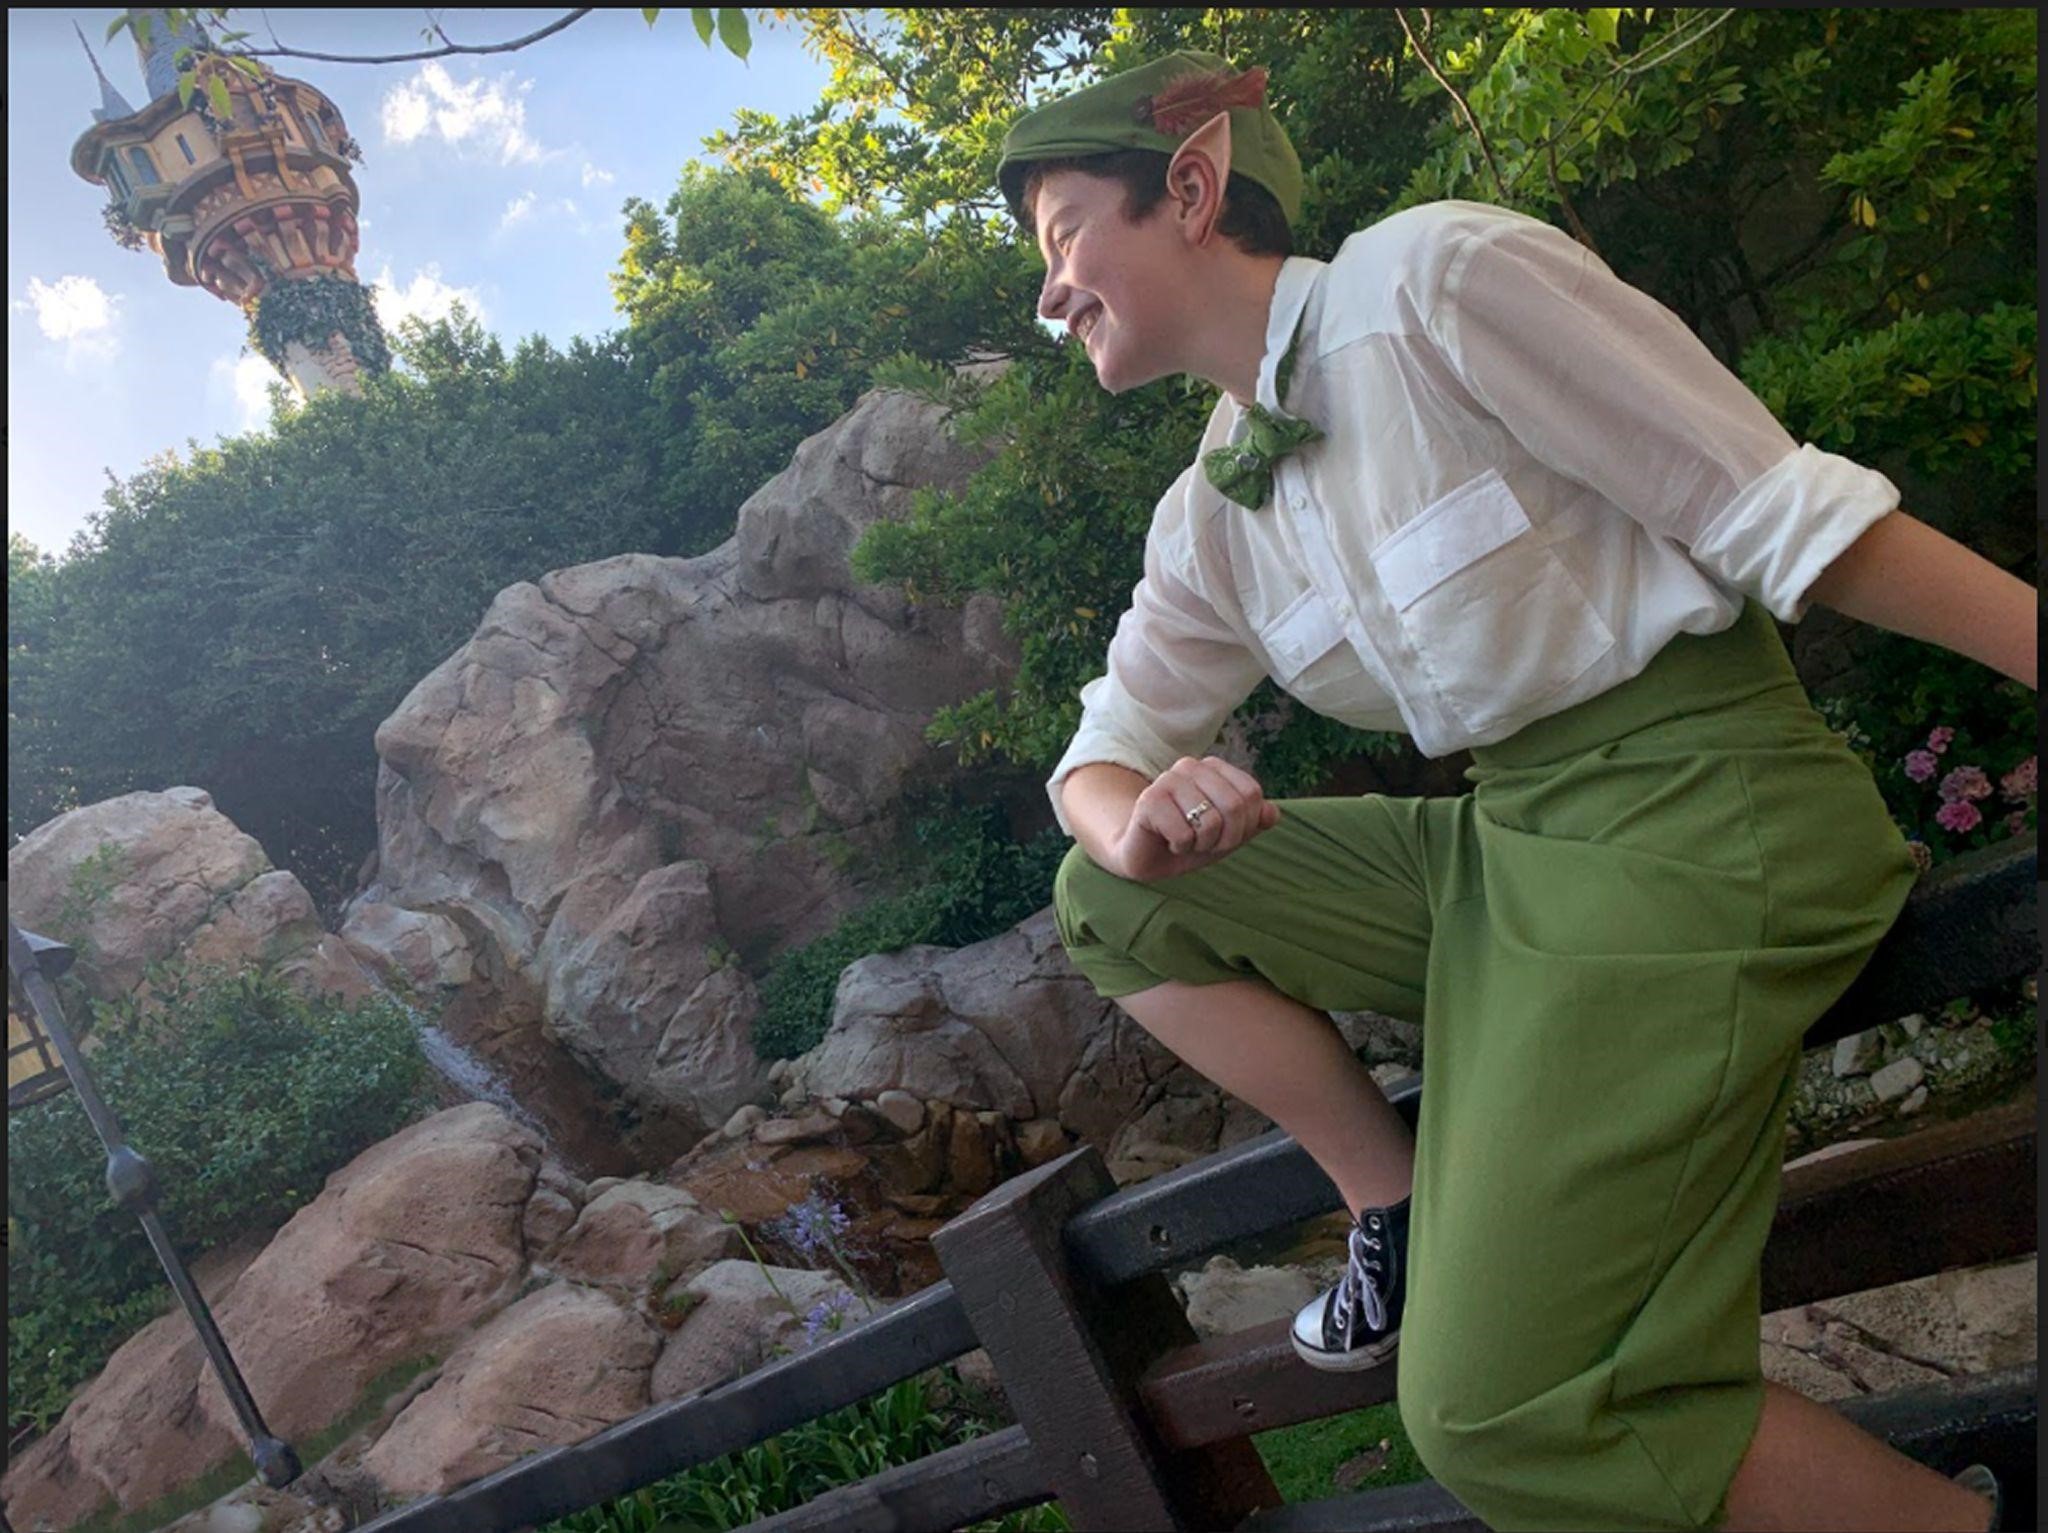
(469, 1074)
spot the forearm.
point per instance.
(1904, 576)
(1098, 799)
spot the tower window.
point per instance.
(114, 176)
(145, 172)
(313, 128)
(190, 157)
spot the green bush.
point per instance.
(1911, 695)
(243, 1096)
(899, 1426)
(980, 882)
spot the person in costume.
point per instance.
(1464, 482)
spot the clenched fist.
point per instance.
(1158, 842)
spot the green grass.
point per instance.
(1303, 1459)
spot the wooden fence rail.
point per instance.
(1133, 1424)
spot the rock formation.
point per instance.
(135, 880)
(642, 776)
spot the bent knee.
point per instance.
(1079, 891)
(1554, 1457)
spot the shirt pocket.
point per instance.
(1497, 621)
(1305, 630)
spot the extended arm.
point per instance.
(1904, 576)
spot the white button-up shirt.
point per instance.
(1532, 476)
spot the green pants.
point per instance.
(1614, 944)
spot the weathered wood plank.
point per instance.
(1990, 1418)
(1069, 1355)
(1969, 923)
(1948, 1195)
(984, 1478)
(1170, 1220)
(1953, 1195)
(921, 1332)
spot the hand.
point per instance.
(1158, 842)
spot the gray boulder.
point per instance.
(1009, 1026)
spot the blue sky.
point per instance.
(497, 179)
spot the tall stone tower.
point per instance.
(258, 208)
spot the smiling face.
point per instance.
(1117, 284)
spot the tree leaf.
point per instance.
(701, 18)
(734, 32)
(648, 14)
(1602, 22)
(217, 94)
(116, 24)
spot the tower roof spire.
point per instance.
(111, 105)
(158, 55)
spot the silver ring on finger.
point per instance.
(1194, 815)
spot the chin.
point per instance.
(1119, 377)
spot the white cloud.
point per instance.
(76, 311)
(555, 214)
(486, 114)
(518, 210)
(425, 297)
(68, 307)
(592, 176)
(245, 381)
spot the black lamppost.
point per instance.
(42, 1058)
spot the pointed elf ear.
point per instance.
(1198, 173)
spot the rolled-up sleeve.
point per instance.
(1602, 383)
(1176, 669)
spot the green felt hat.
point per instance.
(1156, 106)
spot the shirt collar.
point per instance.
(1291, 292)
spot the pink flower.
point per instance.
(1958, 815)
(2016, 822)
(1920, 765)
(1923, 859)
(1965, 782)
(2023, 780)
(1938, 740)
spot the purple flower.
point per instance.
(828, 1314)
(1920, 765)
(1923, 858)
(2023, 780)
(1958, 815)
(1965, 782)
(812, 1225)
(1938, 740)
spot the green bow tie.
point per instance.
(1243, 471)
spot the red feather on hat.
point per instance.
(1189, 102)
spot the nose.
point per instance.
(1053, 295)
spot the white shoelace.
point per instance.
(1357, 1289)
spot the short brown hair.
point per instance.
(1251, 214)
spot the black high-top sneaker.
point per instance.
(1357, 1323)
